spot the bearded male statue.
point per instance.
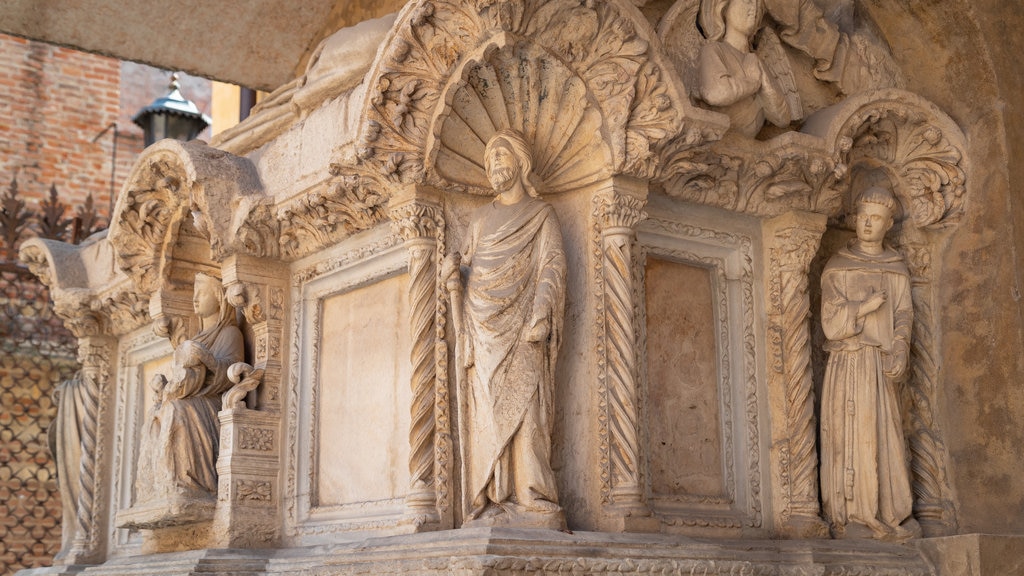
(508, 313)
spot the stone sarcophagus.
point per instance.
(511, 282)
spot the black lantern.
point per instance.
(172, 116)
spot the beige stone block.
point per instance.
(975, 554)
(683, 401)
(363, 445)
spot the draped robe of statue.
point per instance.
(182, 430)
(65, 438)
(724, 81)
(864, 472)
(516, 279)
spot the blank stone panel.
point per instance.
(682, 408)
(364, 395)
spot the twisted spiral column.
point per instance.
(95, 354)
(418, 224)
(793, 240)
(616, 215)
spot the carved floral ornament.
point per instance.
(577, 79)
(111, 309)
(907, 137)
(171, 181)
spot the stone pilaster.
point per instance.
(96, 354)
(791, 241)
(617, 211)
(417, 218)
(248, 488)
(248, 485)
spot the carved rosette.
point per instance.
(615, 218)
(791, 242)
(419, 223)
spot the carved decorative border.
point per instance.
(734, 279)
(135, 351)
(378, 258)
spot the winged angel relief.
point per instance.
(738, 57)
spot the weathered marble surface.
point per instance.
(349, 197)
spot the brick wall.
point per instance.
(55, 101)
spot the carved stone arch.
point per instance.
(174, 219)
(550, 105)
(645, 115)
(898, 139)
(915, 143)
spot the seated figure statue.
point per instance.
(177, 474)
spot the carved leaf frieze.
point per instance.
(320, 219)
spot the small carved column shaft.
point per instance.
(615, 216)
(418, 223)
(248, 491)
(95, 354)
(934, 505)
(791, 241)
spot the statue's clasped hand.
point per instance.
(196, 354)
(873, 302)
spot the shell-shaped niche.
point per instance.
(527, 89)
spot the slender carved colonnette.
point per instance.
(418, 224)
(933, 506)
(794, 244)
(442, 431)
(95, 355)
(616, 216)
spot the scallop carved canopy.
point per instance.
(180, 212)
(179, 188)
(585, 82)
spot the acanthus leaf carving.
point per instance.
(145, 215)
(925, 162)
(613, 210)
(319, 219)
(416, 220)
(260, 232)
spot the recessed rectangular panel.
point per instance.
(683, 414)
(363, 400)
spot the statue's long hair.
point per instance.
(515, 141)
(711, 17)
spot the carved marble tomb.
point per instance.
(525, 287)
